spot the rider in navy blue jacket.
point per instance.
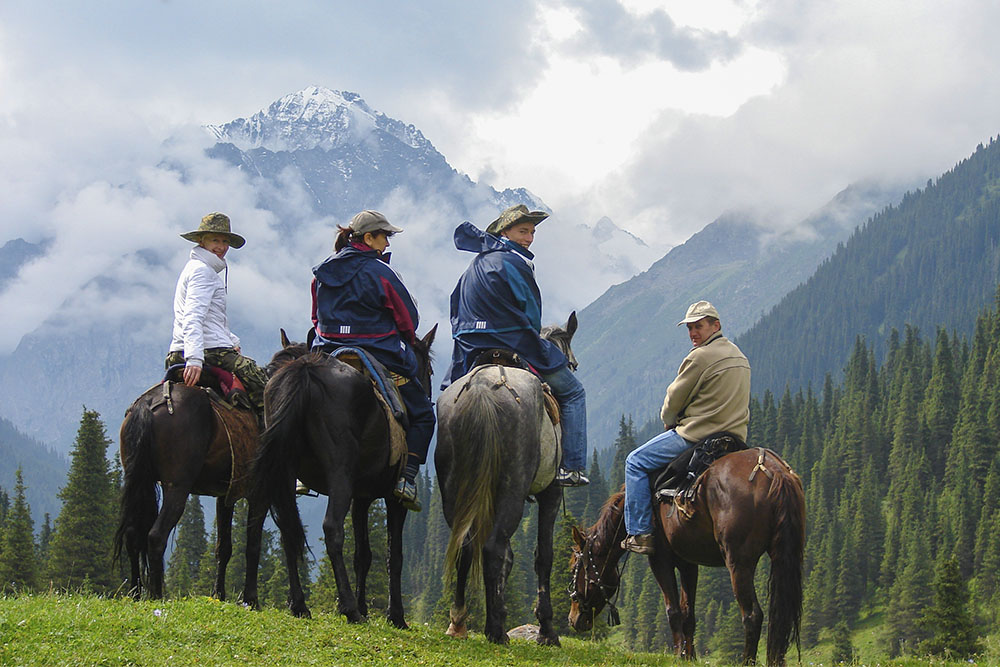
(359, 301)
(497, 304)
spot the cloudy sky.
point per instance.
(660, 114)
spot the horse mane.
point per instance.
(609, 520)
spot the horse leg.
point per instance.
(223, 545)
(459, 611)
(362, 551)
(255, 529)
(132, 549)
(395, 516)
(689, 587)
(548, 508)
(174, 499)
(746, 597)
(498, 558)
(337, 505)
(662, 564)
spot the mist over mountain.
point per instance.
(92, 311)
(931, 260)
(629, 345)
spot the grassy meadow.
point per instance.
(76, 629)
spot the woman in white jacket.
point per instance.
(201, 328)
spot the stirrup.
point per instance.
(406, 492)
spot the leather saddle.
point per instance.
(678, 478)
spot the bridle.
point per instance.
(593, 578)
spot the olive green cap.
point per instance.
(215, 223)
(513, 215)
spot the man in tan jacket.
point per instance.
(711, 393)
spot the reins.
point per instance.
(614, 618)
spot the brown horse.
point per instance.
(746, 504)
(178, 436)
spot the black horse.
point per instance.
(327, 427)
(178, 436)
(496, 446)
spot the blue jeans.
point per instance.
(573, 415)
(653, 455)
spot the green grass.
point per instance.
(52, 629)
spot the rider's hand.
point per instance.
(191, 375)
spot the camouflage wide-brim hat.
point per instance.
(215, 223)
(513, 215)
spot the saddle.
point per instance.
(511, 359)
(221, 385)
(678, 479)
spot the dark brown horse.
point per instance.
(177, 436)
(745, 505)
(326, 426)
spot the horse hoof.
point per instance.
(300, 612)
(501, 639)
(399, 622)
(355, 617)
(457, 631)
(548, 641)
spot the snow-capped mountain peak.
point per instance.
(314, 117)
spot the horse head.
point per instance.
(595, 576)
(422, 348)
(562, 337)
(289, 352)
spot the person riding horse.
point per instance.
(711, 393)
(358, 300)
(497, 304)
(201, 329)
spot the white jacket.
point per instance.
(200, 308)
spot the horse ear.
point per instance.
(284, 340)
(579, 537)
(429, 337)
(310, 337)
(571, 323)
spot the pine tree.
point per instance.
(843, 650)
(185, 561)
(18, 568)
(953, 629)
(624, 444)
(81, 542)
(44, 539)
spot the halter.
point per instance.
(594, 578)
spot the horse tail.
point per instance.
(786, 552)
(139, 496)
(288, 394)
(476, 471)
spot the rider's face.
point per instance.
(378, 240)
(702, 330)
(523, 233)
(217, 244)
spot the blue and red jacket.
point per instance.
(497, 304)
(358, 300)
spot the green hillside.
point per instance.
(932, 260)
(628, 343)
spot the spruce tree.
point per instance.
(952, 626)
(842, 651)
(44, 539)
(18, 567)
(624, 444)
(81, 542)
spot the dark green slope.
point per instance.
(930, 261)
(629, 345)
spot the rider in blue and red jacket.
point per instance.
(358, 300)
(497, 304)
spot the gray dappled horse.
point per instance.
(492, 431)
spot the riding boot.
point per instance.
(406, 486)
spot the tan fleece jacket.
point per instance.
(711, 392)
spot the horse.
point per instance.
(180, 437)
(327, 427)
(491, 426)
(747, 503)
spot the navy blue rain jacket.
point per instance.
(497, 304)
(358, 300)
